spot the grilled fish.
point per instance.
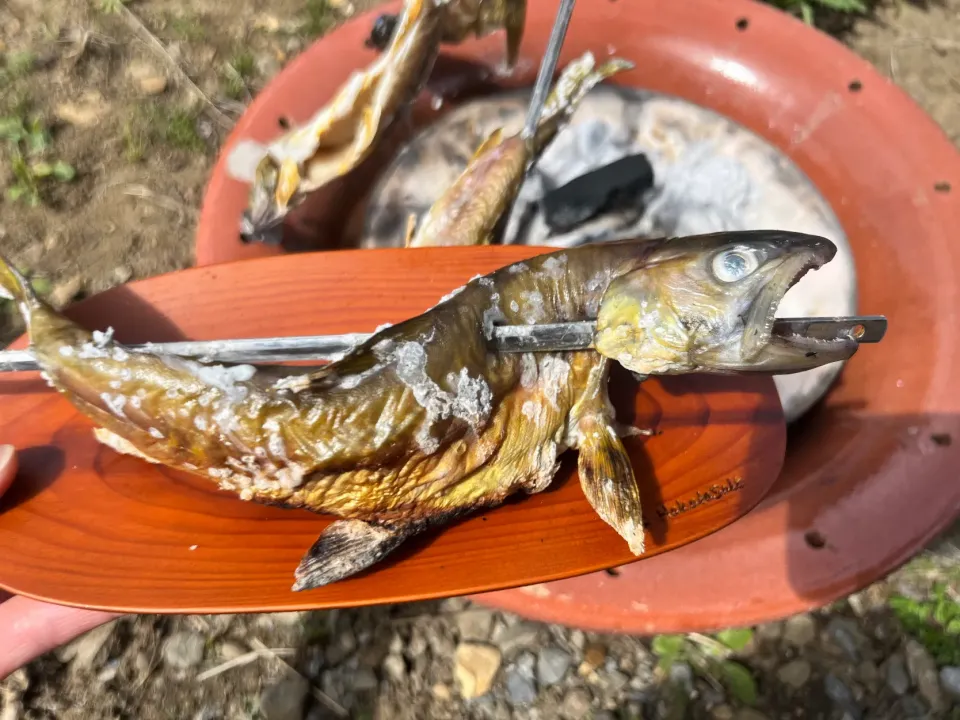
(422, 423)
(468, 213)
(463, 18)
(345, 131)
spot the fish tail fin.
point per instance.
(606, 476)
(346, 547)
(13, 285)
(577, 79)
(514, 21)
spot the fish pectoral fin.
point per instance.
(606, 477)
(411, 230)
(491, 141)
(345, 548)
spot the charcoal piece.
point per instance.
(609, 187)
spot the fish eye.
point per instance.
(733, 265)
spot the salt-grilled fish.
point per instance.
(344, 132)
(470, 210)
(423, 423)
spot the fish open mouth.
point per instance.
(788, 350)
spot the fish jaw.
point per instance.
(683, 311)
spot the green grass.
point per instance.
(319, 17)
(28, 152)
(237, 74)
(934, 622)
(807, 9)
(711, 659)
(186, 27)
(172, 126)
(111, 7)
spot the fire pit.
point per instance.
(747, 119)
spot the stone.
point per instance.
(65, 291)
(576, 704)
(417, 645)
(846, 635)
(613, 682)
(749, 714)
(86, 111)
(578, 639)
(396, 644)
(515, 637)
(552, 665)
(441, 692)
(109, 671)
(364, 680)
(285, 700)
(475, 625)
(520, 687)
(594, 655)
(183, 650)
(924, 671)
(341, 648)
(842, 696)
(722, 712)
(868, 675)
(475, 667)
(681, 675)
(395, 667)
(800, 630)
(950, 680)
(82, 652)
(147, 78)
(795, 674)
(231, 651)
(895, 673)
(771, 631)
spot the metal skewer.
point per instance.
(548, 67)
(556, 337)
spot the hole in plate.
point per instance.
(942, 439)
(815, 540)
(942, 187)
(855, 86)
(284, 122)
(612, 572)
(742, 24)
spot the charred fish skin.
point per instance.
(422, 423)
(344, 132)
(469, 212)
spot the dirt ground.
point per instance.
(142, 147)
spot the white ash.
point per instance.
(533, 310)
(154, 432)
(66, 351)
(384, 326)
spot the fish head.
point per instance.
(707, 303)
(381, 32)
(273, 193)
